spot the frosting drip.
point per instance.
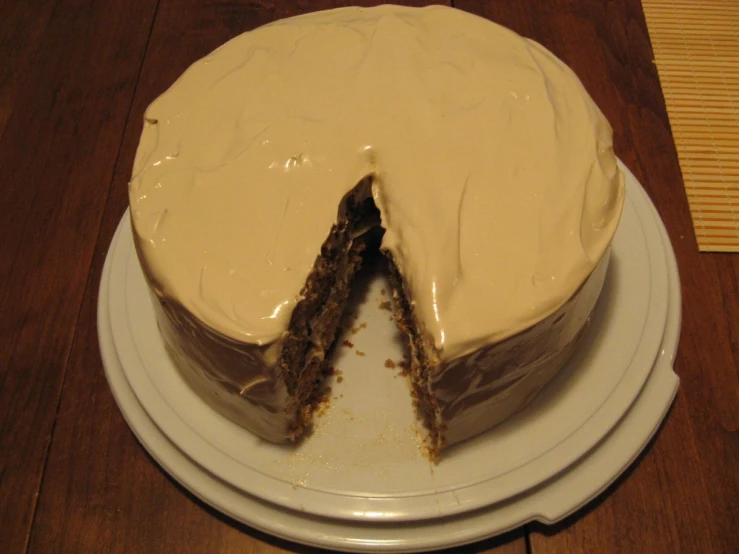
(493, 171)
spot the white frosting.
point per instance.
(495, 174)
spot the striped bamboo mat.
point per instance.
(696, 49)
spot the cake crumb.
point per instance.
(387, 305)
(390, 364)
(360, 353)
(320, 406)
(347, 343)
(382, 291)
(300, 483)
(361, 326)
(339, 379)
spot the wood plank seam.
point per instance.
(91, 282)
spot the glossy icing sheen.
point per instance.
(495, 175)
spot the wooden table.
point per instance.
(75, 78)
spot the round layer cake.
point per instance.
(271, 164)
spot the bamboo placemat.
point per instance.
(696, 49)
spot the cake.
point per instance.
(473, 157)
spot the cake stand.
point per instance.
(361, 482)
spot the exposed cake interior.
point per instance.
(315, 323)
(423, 359)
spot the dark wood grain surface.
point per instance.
(75, 79)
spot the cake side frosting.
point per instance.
(493, 171)
(484, 388)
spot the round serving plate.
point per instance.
(363, 463)
(555, 499)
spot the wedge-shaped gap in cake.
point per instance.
(315, 325)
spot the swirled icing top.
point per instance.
(494, 171)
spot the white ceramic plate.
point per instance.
(555, 499)
(363, 462)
